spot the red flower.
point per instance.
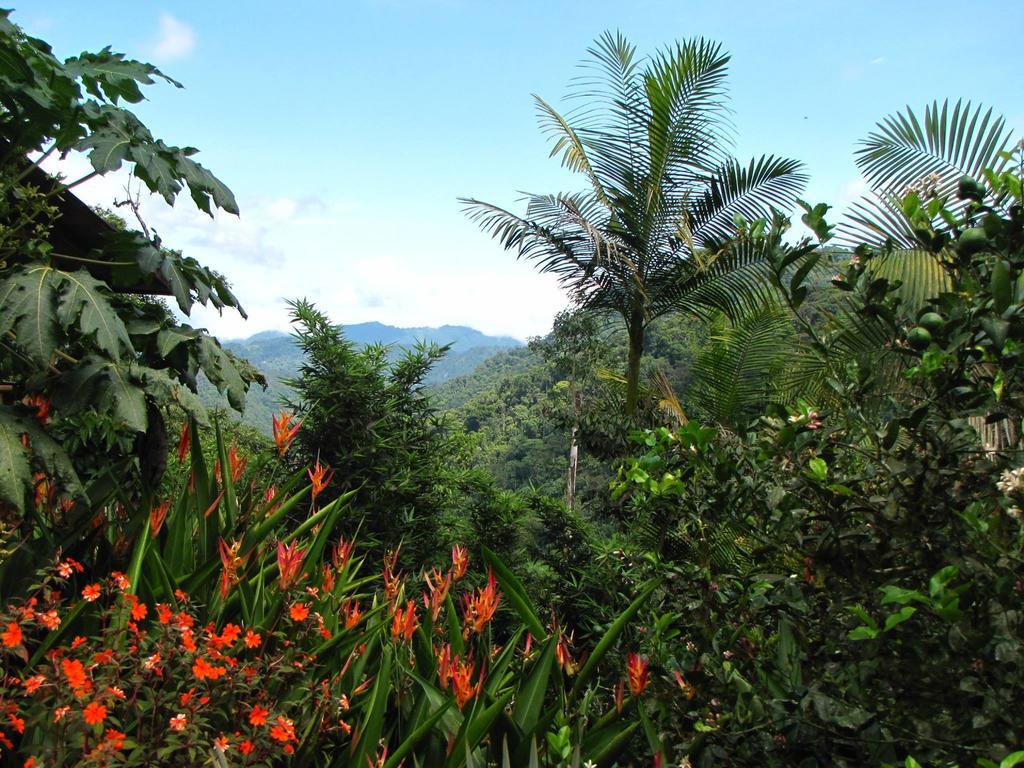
(246, 747)
(232, 563)
(178, 722)
(203, 670)
(444, 665)
(342, 553)
(284, 431)
(230, 634)
(480, 608)
(283, 731)
(75, 674)
(157, 516)
(95, 713)
(16, 722)
(252, 639)
(91, 593)
(49, 619)
(636, 671)
(404, 622)
(352, 615)
(289, 562)
(438, 587)
(299, 612)
(258, 716)
(183, 443)
(462, 686)
(319, 477)
(34, 683)
(460, 561)
(12, 638)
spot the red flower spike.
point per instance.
(284, 431)
(636, 671)
(289, 563)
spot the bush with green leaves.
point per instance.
(844, 581)
(89, 370)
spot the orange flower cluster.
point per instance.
(438, 588)
(74, 671)
(480, 606)
(460, 561)
(404, 622)
(157, 516)
(203, 670)
(320, 478)
(284, 431)
(636, 671)
(457, 672)
(232, 563)
(283, 731)
(289, 563)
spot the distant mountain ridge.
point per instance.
(277, 356)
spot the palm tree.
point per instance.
(652, 138)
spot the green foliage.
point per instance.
(844, 581)
(95, 367)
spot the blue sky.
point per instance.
(348, 129)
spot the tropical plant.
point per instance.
(928, 156)
(843, 580)
(239, 633)
(652, 138)
(86, 368)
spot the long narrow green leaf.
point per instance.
(474, 730)
(373, 721)
(516, 594)
(606, 642)
(416, 736)
(530, 698)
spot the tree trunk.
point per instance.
(636, 351)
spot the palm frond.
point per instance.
(951, 142)
(752, 192)
(733, 375)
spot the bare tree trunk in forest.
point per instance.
(636, 351)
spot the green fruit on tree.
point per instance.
(932, 322)
(972, 241)
(919, 338)
(969, 189)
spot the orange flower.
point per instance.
(42, 406)
(462, 686)
(246, 747)
(232, 563)
(342, 553)
(636, 671)
(252, 639)
(444, 665)
(75, 674)
(230, 634)
(460, 561)
(258, 716)
(203, 670)
(688, 690)
(16, 722)
(157, 516)
(352, 615)
(221, 743)
(95, 713)
(284, 431)
(33, 684)
(319, 477)
(283, 730)
(438, 587)
(114, 738)
(139, 609)
(480, 608)
(289, 562)
(12, 638)
(404, 623)
(237, 463)
(91, 593)
(30, 763)
(184, 442)
(299, 612)
(50, 620)
(178, 722)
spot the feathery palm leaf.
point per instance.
(652, 137)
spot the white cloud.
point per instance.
(878, 60)
(176, 39)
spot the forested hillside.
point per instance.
(278, 357)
